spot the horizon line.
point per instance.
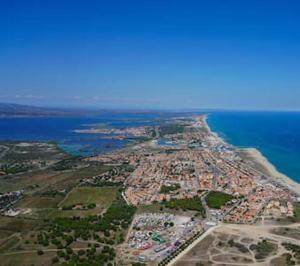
(157, 109)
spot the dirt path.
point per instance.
(35, 250)
(255, 232)
(190, 247)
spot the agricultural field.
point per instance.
(39, 202)
(101, 197)
(154, 208)
(18, 157)
(28, 258)
(50, 241)
(18, 225)
(42, 180)
(14, 231)
(45, 193)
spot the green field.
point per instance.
(216, 199)
(30, 258)
(87, 195)
(169, 129)
(192, 204)
(19, 157)
(297, 211)
(169, 188)
(9, 244)
(41, 180)
(14, 224)
(150, 208)
(13, 230)
(45, 191)
(37, 201)
(4, 234)
(72, 213)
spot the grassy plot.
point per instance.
(25, 181)
(9, 243)
(4, 234)
(45, 178)
(37, 201)
(173, 128)
(89, 195)
(19, 157)
(297, 211)
(73, 213)
(192, 204)
(13, 229)
(30, 258)
(156, 207)
(169, 188)
(216, 199)
(15, 224)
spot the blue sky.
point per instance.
(151, 54)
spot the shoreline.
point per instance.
(205, 117)
(260, 163)
(257, 158)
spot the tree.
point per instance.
(69, 250)
(55, 260)
(40, 252)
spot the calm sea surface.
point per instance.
(275, 134)
(61, 130)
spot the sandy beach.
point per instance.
(205, 117)
(261, 164)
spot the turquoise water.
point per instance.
(62, 130)
(275, 134)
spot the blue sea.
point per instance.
(275, 134)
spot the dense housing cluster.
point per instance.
(147, 202)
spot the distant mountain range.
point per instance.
(11, 109)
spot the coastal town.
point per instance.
(209, 165)
(151, 201)
(191, 164)
(150, 133)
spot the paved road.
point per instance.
(190, 247)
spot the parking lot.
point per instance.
(155, 235)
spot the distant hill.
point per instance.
(11, 109)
